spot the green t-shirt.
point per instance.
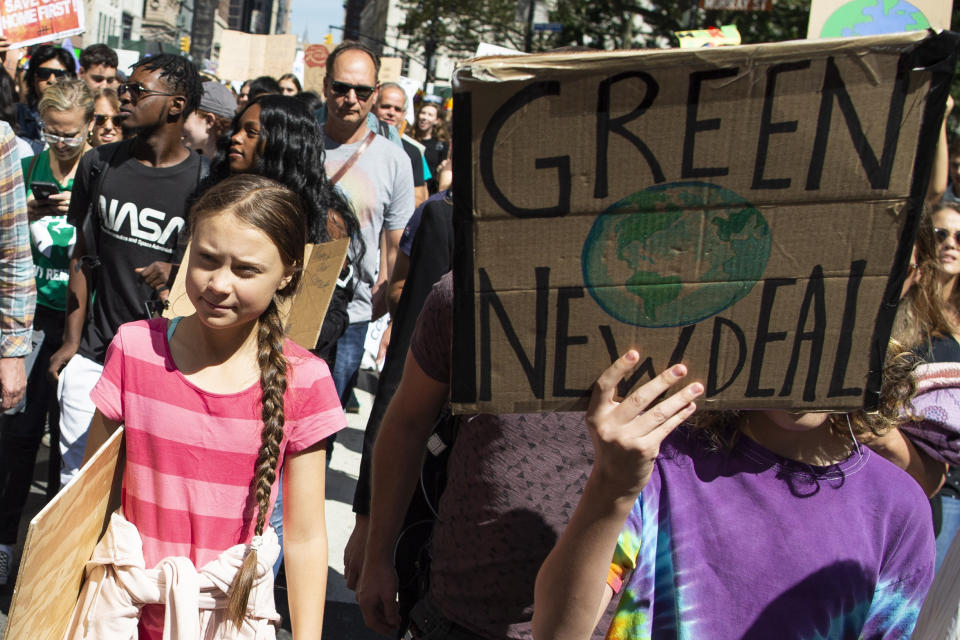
(51, 240)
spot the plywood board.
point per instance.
(59, 542)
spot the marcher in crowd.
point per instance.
(48, 64)
(733, 523)
(375, 176)
(107, 121)
(210, 124)
(246, 257)
(289, 84)
(98, 67)
(126, 265)
(66, 109)
(18, 293)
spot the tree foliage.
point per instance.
(622, 24)
(458, 26)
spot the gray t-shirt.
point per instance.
(513, 482)
(379, 187)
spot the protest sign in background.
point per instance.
(746, 210)
(314, 62)
(245, 56)
(27, 22)
(848, 18)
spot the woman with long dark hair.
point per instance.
(48, 64)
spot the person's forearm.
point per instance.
(76, 303)
(571, 583)
(306, 570)
(941, 167)
(397, 459)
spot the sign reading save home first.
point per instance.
(748, 211)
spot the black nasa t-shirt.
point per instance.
(141, 214)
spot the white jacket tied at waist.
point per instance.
(117, 585)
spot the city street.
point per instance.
(342, 618)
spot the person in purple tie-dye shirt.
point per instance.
(752, 524)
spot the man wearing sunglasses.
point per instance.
(134, 233)
(377, 179)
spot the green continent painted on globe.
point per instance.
(873, 17)
(640, 250)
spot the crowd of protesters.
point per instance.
(641, 517)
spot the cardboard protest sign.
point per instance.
(746, 210)
(245, 56)
(304, 315)
(60, 540)
(389, 69)
(314, 61)
(28, 22)
(848, 18)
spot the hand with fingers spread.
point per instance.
(571, 591)
(627, 433)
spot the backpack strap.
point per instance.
(98, 173)
(33, 163)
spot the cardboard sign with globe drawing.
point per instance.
(848, 18)
(748, 211)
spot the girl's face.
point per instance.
(66, 124)
(196, 130)
(245, 142)
(106, 124)
(427, 117)
(234, 271)
(946, 224)
(797, 421)
(288, 88)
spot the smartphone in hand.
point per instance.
(43, 190)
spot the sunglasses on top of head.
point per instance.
(343, 88)
(942, 235)
(44, 73)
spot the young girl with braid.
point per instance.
(213, 406)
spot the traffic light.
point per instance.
(328, 39)
(185, 44)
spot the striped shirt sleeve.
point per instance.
(18, 292)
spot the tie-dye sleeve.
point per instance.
(628, 547)
(895, 607)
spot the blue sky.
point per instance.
(316, 16)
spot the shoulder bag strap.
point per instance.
(353, 159)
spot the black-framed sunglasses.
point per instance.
(137, 91)
(343, 88)
(44, 73)
(99, 119)
(942, 234)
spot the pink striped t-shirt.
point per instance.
(190, 453)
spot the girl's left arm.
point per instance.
(305, 538)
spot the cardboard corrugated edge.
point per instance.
(938, 55)
(521, 68)
(60, 541)
(303, 318)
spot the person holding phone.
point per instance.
(66, 110)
